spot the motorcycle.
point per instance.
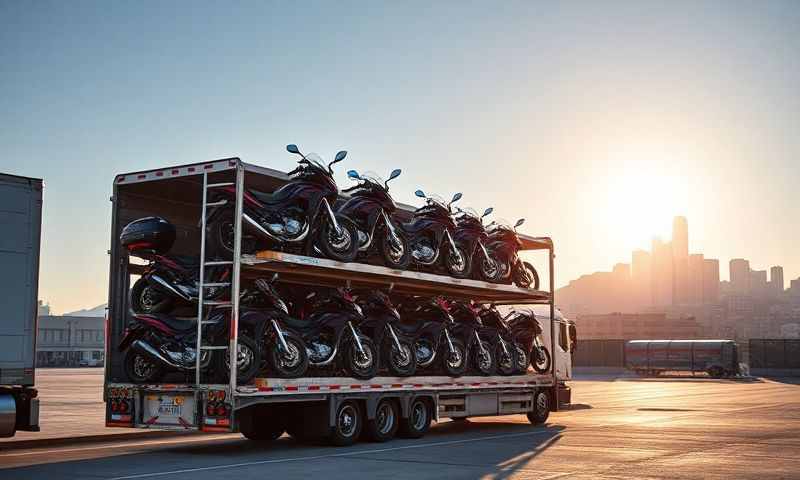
(527, 331)
(471, 237)
(371, 207)
(330, 331)
(514, 355)
(429, 323)
(396, 349)
(483, 353)
(157, 343)
(298, 216)
(431, 236)
(504, 245)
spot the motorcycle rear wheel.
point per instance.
(147, 299)
(341, 246)
(141, 369)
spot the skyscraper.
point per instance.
(680, 260)
(776, 280)
(710, 281)
(662, 278)
(641, 278)
(758, 283)
(695, 279)
(740, 276)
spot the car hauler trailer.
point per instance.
(333, 407)
(20, 224)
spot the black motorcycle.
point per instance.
(381, 324)
(371, 208)
(527, 331)
(482, 347)
(296, 217)
(157, 343)
(504, 246)
(513, 355)
(430, 234)
(471, 237)
(429, 323)
(330, 331)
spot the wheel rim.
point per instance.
(457, 261)
(490, 268)
(455, 358)
(149, 298)
(347, 419)
(541, 403)
(363, 359)
(142, 368)
(340, 241)
(291, 356)
(419, 416)
(385, 418)
(506, 361)
(395, 250)
(401, 358)
(541, 360)
(522, 358)
(244, 357)
(484, 359)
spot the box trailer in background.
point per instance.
(20, 224)
(717, 358)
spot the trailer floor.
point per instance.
(617, 428)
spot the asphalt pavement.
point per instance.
(617, 428)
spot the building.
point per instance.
(695, 279)
(637, 326)
(740, 276)
(680, 260)
(43, 308)
(758, 284)
(641, 278)
(66, 341)
(662, 281)
(711, 283)
(776, 281)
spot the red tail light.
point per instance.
(123, 407)
(210, 410)
(221, 411)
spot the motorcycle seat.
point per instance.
(413, 227)
(299, 325)
(179, 324)
(277, 197)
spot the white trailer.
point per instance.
(333, 407)
(20, 224)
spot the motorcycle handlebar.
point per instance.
(351, 188)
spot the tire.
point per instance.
(505, 366)
(394, 257)
(485, 365)
(293, 365)
(398, 364)
(522, 359)
(349, 422)
(525, 281)
(248, 354)
(260, 426)
(343, 247)
(456, 270)
(541, 365)
(141, 369)
(454, 363)
(387, 420)
(487, 270)
(418, 421)
(541, 408)
(220, 237)
(361, 366)
(147, 299)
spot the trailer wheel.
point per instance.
(348, 425)
(387, 420)
(541, 408)
(262, 428)
(418, 421)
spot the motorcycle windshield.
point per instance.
(470, 212)
(373, 178)
(316, 161)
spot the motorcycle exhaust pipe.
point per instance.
(148, 350)
(170, 288)
(256, 227)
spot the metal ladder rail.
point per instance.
(202, 285)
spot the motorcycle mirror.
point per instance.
(395, 173)
(420, 194)
(487, 211)
(519, 222)
(353, 174)
(339, 156)
(456, 197)
(292, 148)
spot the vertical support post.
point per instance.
(236, 277)
(201, 287)
(553, 328)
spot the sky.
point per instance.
(595, 121)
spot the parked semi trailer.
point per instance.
(337, 408)
(20, 223)
(717, 358)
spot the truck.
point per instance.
(335, 408)
(717, 358)
(21, 223)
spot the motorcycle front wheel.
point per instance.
(401, 363)
(522, 359)
(540, 359)
(488, 269)
(458, 263)
(147, 299)
(361, 364)
(396, 253)
(342, 245)
(483, 359)
(454, 362)
(248, 360)
(525, 276)
(506, 362)
(141, 369)
(292, 362)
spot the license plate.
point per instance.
(169, 410)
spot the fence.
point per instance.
(600, 353)
(770, 353)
